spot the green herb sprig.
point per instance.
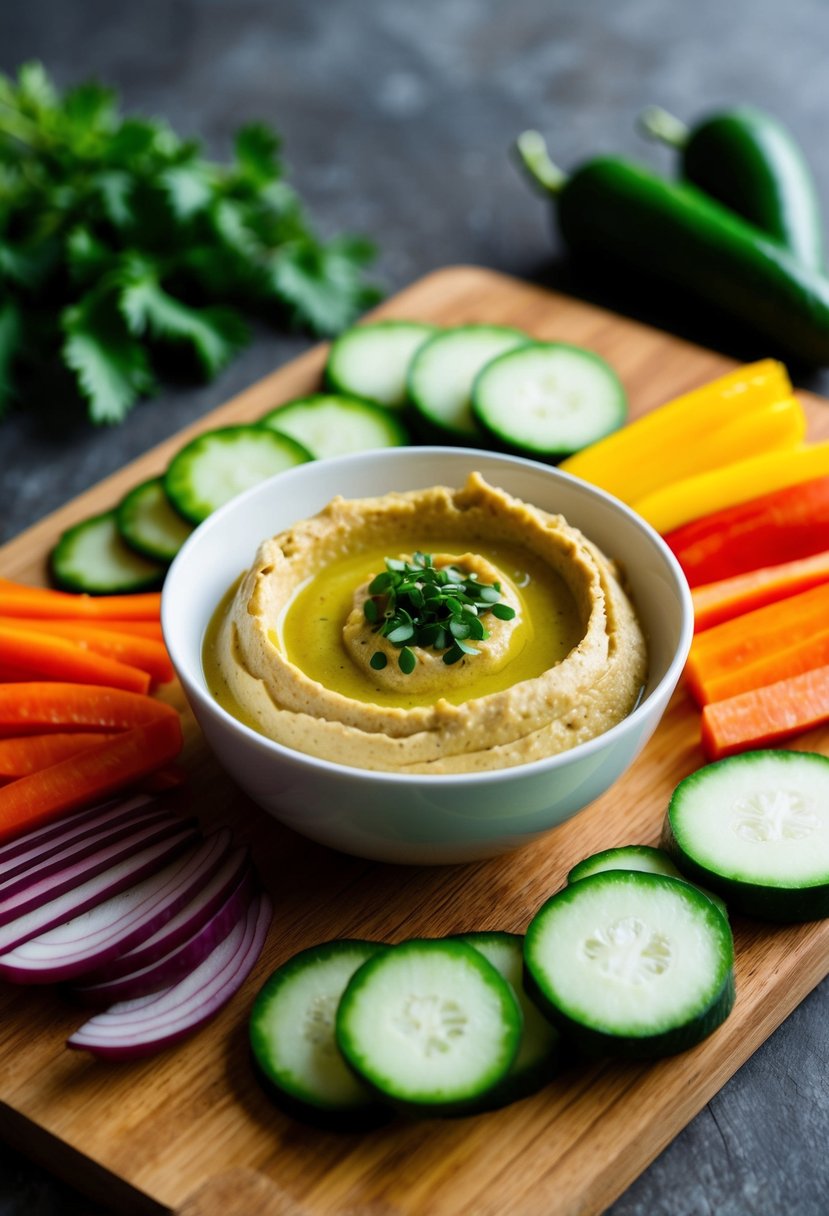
(416, 604)
(120, 244)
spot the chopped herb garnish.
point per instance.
(411, 603)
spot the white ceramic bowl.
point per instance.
(421, 818)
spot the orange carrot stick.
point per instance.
(19, 757)
(35, 707)
(721, 601)
(145, 653)
(16, 599)
(778, 664)
(84, 778)
(767, 715)
(60, 659)
(753, 634)
(138, 629)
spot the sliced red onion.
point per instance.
(82, 844)
(67, 824)
(81, 944)
(76, 872)
(95, 890)
(181, 927)
(172, 967)
(137, 1028)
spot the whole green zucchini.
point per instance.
(615, 210)
(747, 160)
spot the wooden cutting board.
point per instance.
(190, 1130)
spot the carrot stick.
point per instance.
(779, 664)
(34, 707)
(145, 653)
(730, 597)
(136, 629)
(766, 715)
(82, 779)
(16, 599)
(19, 757)
(60, 659)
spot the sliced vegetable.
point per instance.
(292, 1035)
(133, 1029)
(90, 775)
(755, 828)
(19, 757)
(443, 371)
(217, 465)
(371, 361)
(27, 844)
(641, 857)
(430, 1025)
(329, 425)
(537, 1061)
(548, 399)
(631, 964)
(145, 653)
(32, 707)
(56, 658)
(680, 502)
(17, 599)
(765, 715)
(754, 637)
(148, 523)
(765, 531)
(630, 463)
(720, 681)
(747, 160)
(91, 557)
(721, 601)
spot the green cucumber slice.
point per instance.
(371, 361)
(218, 465)
(443, 371)
(328, 424)
(641, 857)
(537, 1061)
(292, 1035)
(149, 524)
(431, 1026)
(755, 828)
(92, 557)
(548, 399)
(631, 964)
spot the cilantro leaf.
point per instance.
(322, 285)
(11, 330)
(111, 367)
(257, 147)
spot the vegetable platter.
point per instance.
(190, 1130)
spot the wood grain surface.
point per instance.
(189, 1130)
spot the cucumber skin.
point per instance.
(784, 905)
(614, 209)
(596, 1044)
(69, 583)
(748, 161)
(331, 378)
(125, 528)
(586, 867)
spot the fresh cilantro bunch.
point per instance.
(120, 243)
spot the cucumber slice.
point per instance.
(755, 828)
(431, 1026)
(631, 964)
(218, 465)
(331, 425)
(537, 1061)
(443, 371)
(642, 857)
(548, 399)
(92, 557)
(371, 361)
(292, 1036)
(149, 524)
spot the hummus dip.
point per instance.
(292, 653)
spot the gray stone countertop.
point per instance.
(397, 118)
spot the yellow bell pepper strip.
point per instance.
(630, 463)
(678, 503)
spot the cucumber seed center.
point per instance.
(318, 1027)
(433, 1022)
(774, 815)
(628, 950)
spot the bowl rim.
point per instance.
(628, 724)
